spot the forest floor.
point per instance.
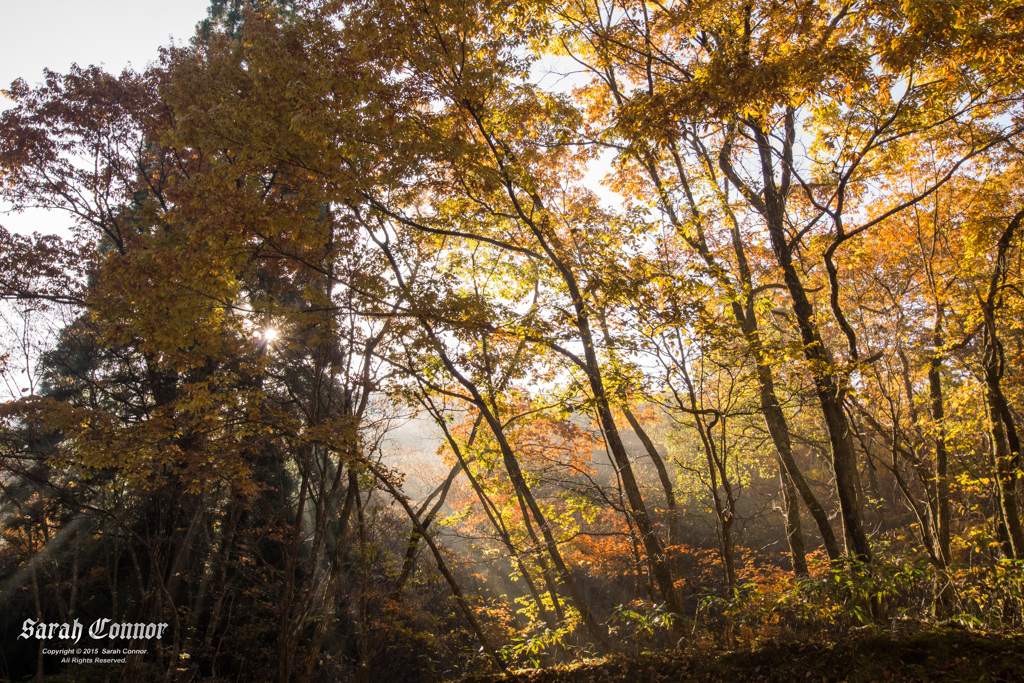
(937, 655)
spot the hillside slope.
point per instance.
(941, 655)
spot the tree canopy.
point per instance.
(708, 313)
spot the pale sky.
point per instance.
(38, 34)
(113, 33)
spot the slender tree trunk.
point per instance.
(742, 307)
(1006, 480)
(649, 447)
(770, 204)
(442, 566)
(663, 475)
(499, 526)
(287, 636)
(778, 429)
(545, 569)
(534, 215)
(830, 397)
(794, 534)
(330, 593)
(940, 505)
(1005, 441)
(652, 544)
(942, 589)
(520, 485)
(412, 546)
(724, 511)
(519, 482)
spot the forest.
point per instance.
(423, 339)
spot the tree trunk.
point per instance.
(940, 504)
(442, 566)
(794, 534)
(830, 396)
(770, 204)
(1005, 441)
(778, 429)
(663, 475)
